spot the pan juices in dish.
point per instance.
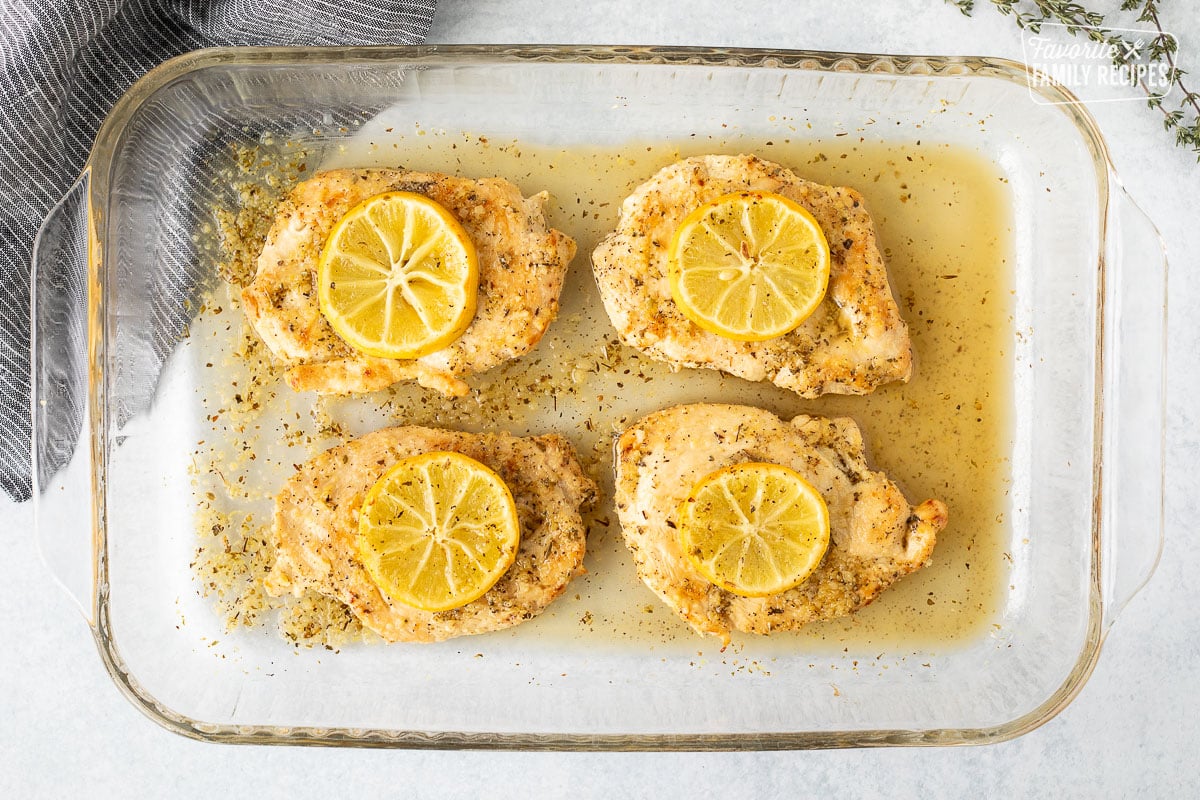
(945, 228)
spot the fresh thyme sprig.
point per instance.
(1179, 105)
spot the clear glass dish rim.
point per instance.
(102, 155)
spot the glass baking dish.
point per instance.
(113, 270)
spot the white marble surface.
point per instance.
(66, 732)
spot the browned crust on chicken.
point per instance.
(316, 521)
(522, 264)
(876, 537)
(853, 343)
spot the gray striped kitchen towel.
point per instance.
(63, 64)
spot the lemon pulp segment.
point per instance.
(437, 530)
(398, 276)
(749, 266)
(754, 529)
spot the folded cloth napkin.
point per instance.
(63, 64)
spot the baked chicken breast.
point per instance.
(853, 343)
(876, 537)
(316, 521)
(522, 264)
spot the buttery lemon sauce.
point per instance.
(944, 227)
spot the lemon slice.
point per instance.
(748, 266)
(754, 529)
(398, 276)
(437, 531)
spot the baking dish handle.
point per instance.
(1135, 403)
(62, 463)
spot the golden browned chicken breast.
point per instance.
(316, 521)
(853, 343)
(522, 263)
(876, 537)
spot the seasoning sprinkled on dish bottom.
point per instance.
(941, 220)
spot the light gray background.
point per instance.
(65, 731)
